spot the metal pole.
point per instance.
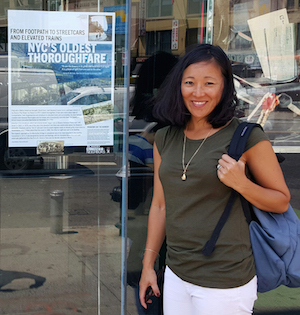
(210, 21)
(125, 161)
(56, 211)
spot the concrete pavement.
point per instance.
(81, 268)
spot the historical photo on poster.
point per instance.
(94, 113)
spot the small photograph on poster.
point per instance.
(95, 113)
(50, 147)
(98, 27)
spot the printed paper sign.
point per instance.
(61, 81)
(273, 37)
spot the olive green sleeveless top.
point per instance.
(194, 206)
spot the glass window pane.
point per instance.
(61, 233)
(265, 63)
(153, 8)
(195, 6)
(166, 8)
(62, 217)
(290, 4)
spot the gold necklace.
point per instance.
(185, 167)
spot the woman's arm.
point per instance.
(270, 192)
(156, 233)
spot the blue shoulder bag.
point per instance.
(275, 238)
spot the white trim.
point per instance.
(286, 149)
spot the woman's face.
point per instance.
(201, 88)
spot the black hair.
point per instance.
(170, 109)
(151, 75)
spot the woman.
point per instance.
(193, 179)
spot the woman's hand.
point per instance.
(148, 279)
(231, 172)
(268, 191)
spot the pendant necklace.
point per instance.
(185, 167)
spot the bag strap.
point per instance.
(236, 150)
(239, 139)
(210, 244)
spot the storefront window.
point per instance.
(262, 41)
(62, 113)
(69, 240)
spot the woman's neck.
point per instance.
(197, 129)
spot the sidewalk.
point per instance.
(282, 301)
(70, 263)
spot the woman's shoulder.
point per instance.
(235, 122)
(257, 133)
(162, 130)
(165, 133)
(167, 130)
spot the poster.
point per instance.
(62, 86)
(273, 37)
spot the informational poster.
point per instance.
(273, 37)
(61, 90)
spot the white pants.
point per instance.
(183, 298)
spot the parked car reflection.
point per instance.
(40, 87)
(87, 95)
